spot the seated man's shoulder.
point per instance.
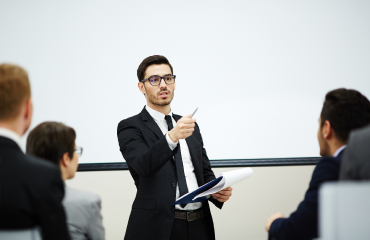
(327, 162)
(79, 197)
(83, 210)
(327, 169)
(40, 164)
(41, 173)
(363, 132)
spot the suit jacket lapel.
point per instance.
(150, 123)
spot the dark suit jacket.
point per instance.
(150, 161)
(31, 193)
(302, 224)
(356, 159)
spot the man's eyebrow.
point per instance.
(169, 74)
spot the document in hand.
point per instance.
(224, 180)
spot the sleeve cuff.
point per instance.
(275, 227)
(171, 143)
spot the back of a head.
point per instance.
(346, 110)
(15, 90)
(50, 140)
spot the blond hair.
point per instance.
(15, 90)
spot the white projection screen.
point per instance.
(257, 70)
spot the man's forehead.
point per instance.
(158, 69)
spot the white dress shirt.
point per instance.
(339, 150)
(4, 132)
(191, 180)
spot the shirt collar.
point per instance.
(156, 115)
(339, 150)
(4, 132)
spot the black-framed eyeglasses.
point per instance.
(156, 80)
(79, 151)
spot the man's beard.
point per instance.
(153, 99)
(324, 149)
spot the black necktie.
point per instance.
(179, 167)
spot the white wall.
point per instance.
(266, 64)
(269, 190)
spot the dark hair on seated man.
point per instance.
(343, 111)
(51, 140)
(55, 142)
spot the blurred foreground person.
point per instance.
(55, 142)
(343, 111)
(31, 190)
(356, 159)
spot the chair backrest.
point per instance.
(344, 211)
(26, 234)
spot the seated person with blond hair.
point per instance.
(55, 142)
(31, 190)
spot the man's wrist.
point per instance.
(173, 137)
(171, 144)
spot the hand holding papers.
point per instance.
(224, 180)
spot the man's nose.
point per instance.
(162, 83)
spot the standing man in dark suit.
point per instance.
(356, 159)
(166, 158)
(31, 190)
(343, 111)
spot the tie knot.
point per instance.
(168, 118)
(169, 122)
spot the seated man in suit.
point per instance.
(343, 111)
(356, 159)
(55, 142)
(31, 189)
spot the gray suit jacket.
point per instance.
(84, 219)
(356, 158)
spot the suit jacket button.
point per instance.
(172, 208)
(173, 184)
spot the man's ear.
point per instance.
(27, 112)
(327, 130)
(141, 87)
(65, 161)
(28, 109)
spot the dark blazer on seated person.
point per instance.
(150, 161)
(302, 224)
(31, 193)
(356, 159)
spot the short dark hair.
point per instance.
(152, 60)
(345, 109)
(50, 140)
(15, 90)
